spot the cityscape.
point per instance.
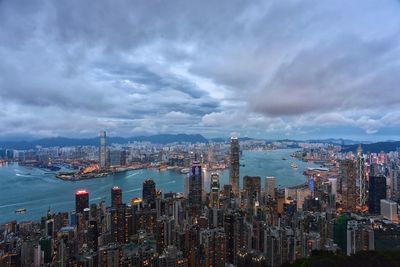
(199, 133)
(347, 203)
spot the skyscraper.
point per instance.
(270, 184)
(116, 196)
(103, 150)
(389, 209)
(214, 190)
(81, 200)
(119, 230)
(347, 184)
(251, 190)
(361, 181)
(195, 189)
(377, 191)
(234, 165)
(149, 193)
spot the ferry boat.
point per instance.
(20, 211)
(185, 171)
(294, 165)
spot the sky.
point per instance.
(266, 69)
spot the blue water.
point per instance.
(36, 191)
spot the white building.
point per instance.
(389, 209)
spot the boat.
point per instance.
(294, 165)
(284, 158)
(186, 170)
(20, 211)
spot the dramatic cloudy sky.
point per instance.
(273, 69)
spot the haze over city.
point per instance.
(265, 69)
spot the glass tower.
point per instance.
(234, 165)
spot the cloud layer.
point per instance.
(262, 68)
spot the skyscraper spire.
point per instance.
(361, 181)
(359, 150)
(103, 150)
(234, 165)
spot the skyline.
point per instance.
(295, 69)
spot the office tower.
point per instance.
(214, 190)
(103, 150)
(115, 158)
(234, 165)
(116, 196)
(389, 209)
(195, 189)
(118, 229)
(361, 179)
(270, 184)
(347, 178)
(251, 191)
(377, 191)
(81, 200)
(149, 193)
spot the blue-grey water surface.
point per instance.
(36, 191)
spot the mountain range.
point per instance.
(375, 147)
(349, 145)
(64, 141)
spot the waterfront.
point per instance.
(36, 191)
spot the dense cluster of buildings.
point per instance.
(347, 206)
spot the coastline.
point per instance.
(32, 186)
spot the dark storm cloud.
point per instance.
(347, 74)
(214, 67)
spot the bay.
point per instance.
(33, 189)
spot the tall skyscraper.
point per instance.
(119, 231)
(214, 190)
(251, 190)
(377, 191)
(270, 184)
(81, 200)
(103, 150)
(116, 196)
(361, 179)
(234, 165)
(149, 193)
(347, 184)
(195, 189)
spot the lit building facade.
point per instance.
(214, 190)
(234, 165)
(103, 150)
(81, 200)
